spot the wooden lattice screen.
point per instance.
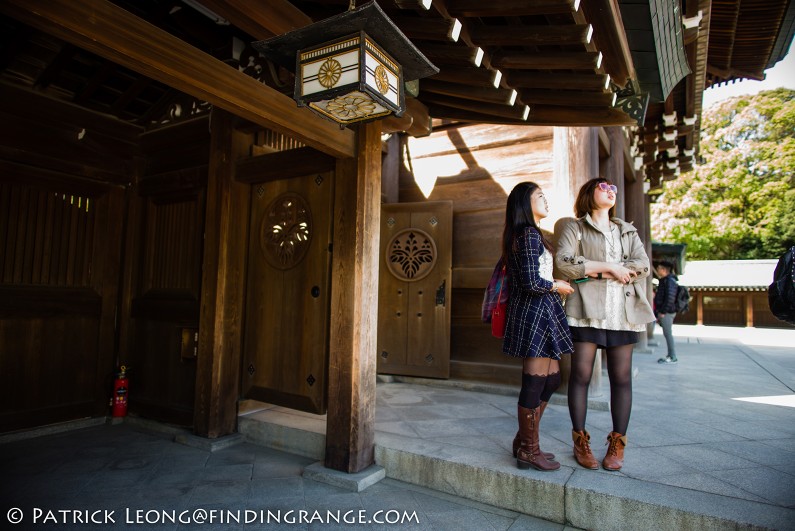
(46, 237)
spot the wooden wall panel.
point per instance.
(57, 301)
(165, 244)
(61, 214)
(46, 236)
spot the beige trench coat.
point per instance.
(579, 241)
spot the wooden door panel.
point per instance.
(414, 289)
(287, 309)
(393, 300)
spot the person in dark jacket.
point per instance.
(665, 307)
(536, 328)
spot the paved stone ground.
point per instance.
(123, 467)
(688, 431)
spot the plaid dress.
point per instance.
(536, 323)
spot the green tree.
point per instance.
(740, 204)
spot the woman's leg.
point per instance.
(581, 369)
(534, 388)
(552, 382)
(534, 378)
(619, 370)
(582, 360)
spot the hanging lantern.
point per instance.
(342, 73)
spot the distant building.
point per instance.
(729, 293)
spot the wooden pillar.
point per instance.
(350, 430)
(699, 308)
(611, 165)
(223, 283)
(576, 160)
(749, 308)
(637, 211)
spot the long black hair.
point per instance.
(519, 216)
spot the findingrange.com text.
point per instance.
(207, 516)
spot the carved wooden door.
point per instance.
(414, 289)
(287, 298)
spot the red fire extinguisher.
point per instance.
(119, 400)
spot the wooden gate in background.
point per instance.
(414, 289)
(285, 352)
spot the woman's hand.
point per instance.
(621, 273)
(564, 288)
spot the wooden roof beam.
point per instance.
(548, 61)
(568, 97)
(514, 112)
(482, 77)
(557, 80)
(429, 29)
(452, 54)
(261, 20)
(573, 116)
(119, 36)
(539, 115)
(458, 114)
(531, 35)
(728, 74)
(611, 39)
(416, 121)
(469, 92)
(511, 8)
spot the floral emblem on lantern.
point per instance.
(381, 79)
(329, 73)
(411, 255)
(351, 106)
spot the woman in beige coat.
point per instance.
(606, 263)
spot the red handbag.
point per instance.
(499, 311)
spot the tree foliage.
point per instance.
(739, 204)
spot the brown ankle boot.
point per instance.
(582, 449)
(614, 459)
(528, 454)
(517, 439)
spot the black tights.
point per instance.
(619, 370)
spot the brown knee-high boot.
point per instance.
(517, 439)
(528, 454)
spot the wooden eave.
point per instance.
(658, 134)
(521, 43)
(748, 37)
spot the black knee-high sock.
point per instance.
(551, 385)
(532, 386)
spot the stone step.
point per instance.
(574, 497)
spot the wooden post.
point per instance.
(223, 282)
(749, 308)
(350, 420)
(699, 308)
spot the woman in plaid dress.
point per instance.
(536, 328)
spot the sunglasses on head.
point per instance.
(608, 187)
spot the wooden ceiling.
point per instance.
(540, 62)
